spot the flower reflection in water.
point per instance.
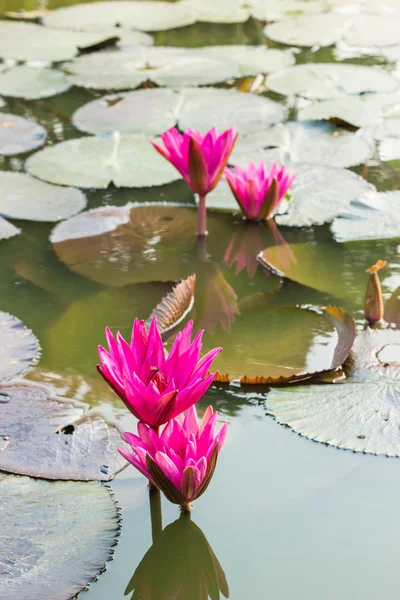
(180, 565)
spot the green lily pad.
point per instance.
(375, 216)
(145, 16)
(29, 42)
(23, 197)
(308, 30)
(31, 84)
(323, 81)
(7, 230)
(18, 135)
(19, 349)
(252, 59)
(97, 162)
(223, 11)
(54, 439)
(55, 537)
(164, 66)
(291, 344)
(312, 141)
(373, 30)
(276, 10)
(362, 414)
(152, 111)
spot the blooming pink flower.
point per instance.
(154, 386)
(182, 459)
(257, 190)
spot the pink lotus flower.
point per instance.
(182, 459)
(257, 190)
(199, 159)
(153, 386)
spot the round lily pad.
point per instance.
(55, 439)
(361, 414)
(164, 66)
(55, 536)
(312, 141)
(7, 230)
(253, 59)
(23, 197)
(291, 344)
(223, 11)
(145, 16)
(152, 111)
(19, 349)
(97, 162)
(373, 30)
(276, 10)
(374, 216)
(308, 30)
(330, 80)
(18, 135)
(31, 84)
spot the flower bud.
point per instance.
(373, 301)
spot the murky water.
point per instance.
(284, 516)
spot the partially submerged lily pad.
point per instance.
(253, 59)
(55, 439)
(23, 197)
(55, 537)
(18, 135)
(31, 84)
(145, 16)
(152, 111)
(291, 344)
(361, 415)
(96, 162)
(330, 80)
(375, 216)
(19, 349)
(164, 66)
(312, 141)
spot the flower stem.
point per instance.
(155, 513)
(186, 507)
(156, 428)
(202, 217)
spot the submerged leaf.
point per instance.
(363, 414)
(55, 439)
(19, 348)
(18, 135)
(55, 536)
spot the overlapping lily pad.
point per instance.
(323, 81)
(164, 66)
(374, 216)
(253, 59)
(23, 197)
(361, 415)
(19, 349)
(18, 135)
(98, 161)
(44, 437)
(145, 16)
(152, 111)
(312, 141)
(55, 537)
(31, 84)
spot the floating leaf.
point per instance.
(164, 66)
(252, 59)
(329, 80)
(291, 344)
(7, 230)
(55, 537)
(19, 349)
(312, 141)
(375, 216)
(23, 197)
(97, 162)
(361, 415)
(54, 439)
(373, 30)
(18, 135)
(175, 306)
(223, 11)
(308, 30)
(146, 16)
(153, 111)
(31, 84)
(275, 10)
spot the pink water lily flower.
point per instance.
(258, 190)
(182, 459)
(200, 159)
(154, 386)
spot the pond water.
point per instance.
(284, 515)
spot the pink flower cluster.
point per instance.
(157, 388)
